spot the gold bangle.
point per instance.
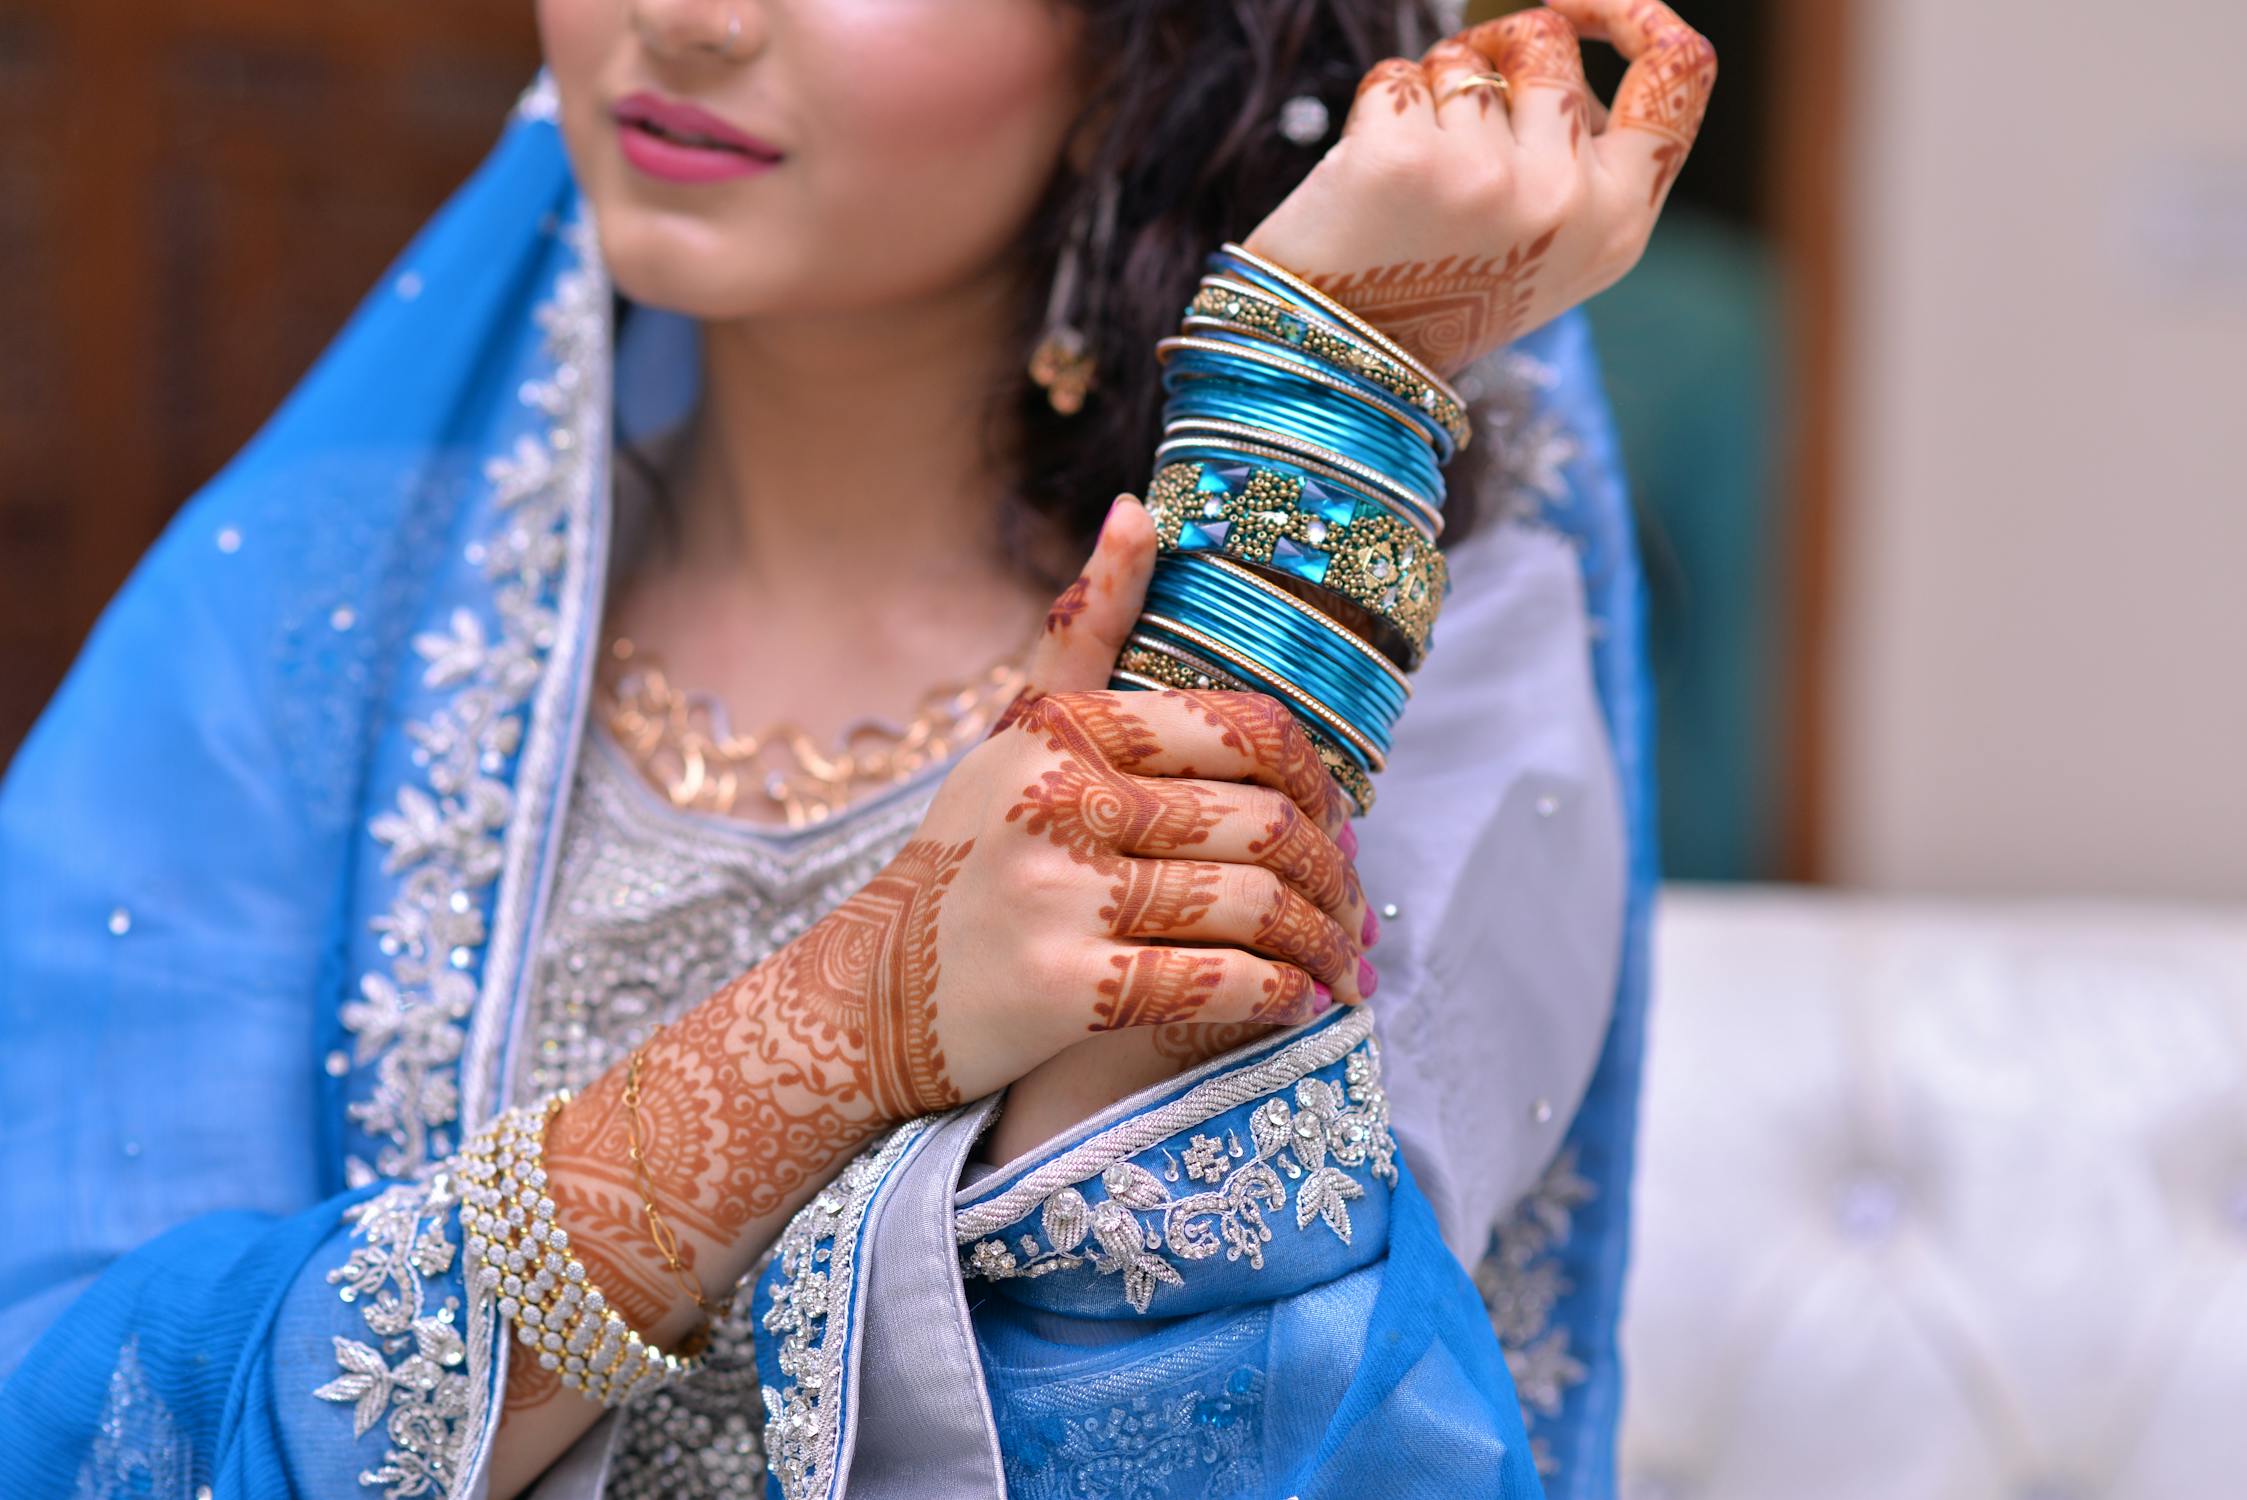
(522, 1259)
(659, 1229)
(1150, 663)
(1188, 434)
(1341, 314)
(1372, 559)
(1223, 302)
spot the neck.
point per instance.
(853, 445)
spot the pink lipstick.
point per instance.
(677, 142)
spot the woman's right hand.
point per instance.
(1104, 860)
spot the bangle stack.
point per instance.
(523, 1258)
(1297, 499)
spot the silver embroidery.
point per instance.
(411, 1377)
(443, 837)
(1532, 443)
(810, 1315)
(1521, 1284)
(1327, 1131)
(138, 1448)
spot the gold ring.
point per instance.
(1480, 80)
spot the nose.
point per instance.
(731, 30)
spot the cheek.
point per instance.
(962, 104)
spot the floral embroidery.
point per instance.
(1207, 1433)
(810, 1314)
(444, 837)
(138, 1449)
(1329, 1129)
(1521, 1284)
(1533, 444)
(425, 1396)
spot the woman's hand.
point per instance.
(1457, 224)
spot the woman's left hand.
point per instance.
(1456, 221)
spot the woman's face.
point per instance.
(871, 151)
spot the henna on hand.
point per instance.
(1448, 310)
(1405, 80)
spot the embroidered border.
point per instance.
(410, 1019)
(424, 1398)
(1331, 1129)
(1522, 1283)
(813, 1279)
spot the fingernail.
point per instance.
(1371, 932)
(1347, 841)
(1321, 998)
(1368, 981)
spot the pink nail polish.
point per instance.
(1321, 998)
(1368, 981)
(1371, 933)
(1347, 841)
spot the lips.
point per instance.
(679, 142)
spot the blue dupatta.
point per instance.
(270, 866)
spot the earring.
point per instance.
(1065, 361)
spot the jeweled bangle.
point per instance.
(1336, 311)
(521, 1257)
(1301, 525)
(1223, 301)
(1150, 663)
(1195, 437)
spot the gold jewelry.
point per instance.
(1263, 442)
(1224, 302)
(659, 1230)
(522, 1259)
(1374, 560)
(681, 744)
(1240, 663)
(1497, 81)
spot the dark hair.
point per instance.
(1187, 96)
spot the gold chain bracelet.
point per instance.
(659, 1229)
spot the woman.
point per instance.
(337, 843)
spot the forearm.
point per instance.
(746, 1105)
(1098, 1071)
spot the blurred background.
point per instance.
(1931, 387)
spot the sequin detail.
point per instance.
(444, 836)
(138, 1448)
(810, 1317)
(415, 1377)
(1522, 1283)
(1323, 1142)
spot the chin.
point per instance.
(688, 267)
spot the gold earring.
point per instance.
(1065, 362)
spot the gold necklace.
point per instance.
(681, 744)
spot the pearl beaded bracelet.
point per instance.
(543, 1291)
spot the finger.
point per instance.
(1479, 112)
(1538, 52)
(1085, 629)
(1157, 986)
(1237, 906)
(1393, 94)
(1664, 94)
(1212, 736)
(1264, 828)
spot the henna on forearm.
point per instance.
(1446, 311)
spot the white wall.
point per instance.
(2039, 678)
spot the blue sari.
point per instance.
(270, 869)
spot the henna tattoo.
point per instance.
(1287, 993)
(1449, 311)
(1153, 986)
(1191, 1043)
(1666, 92)
(1263, 730)
(530, 1384)
(1299, 853)
(1537, 48)
(1089, 804)
(1069, 605)
(1451, 52)
(1294, 931)
(1158, 896)
(1023, 702)
(1406, 81)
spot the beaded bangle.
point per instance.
(1147, 662)
(523, 1259)
(1264, 679)
(1301, 525)
(1288, 283)
(1195, 437)
(1223, 301)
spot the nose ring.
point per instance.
(733, 34)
